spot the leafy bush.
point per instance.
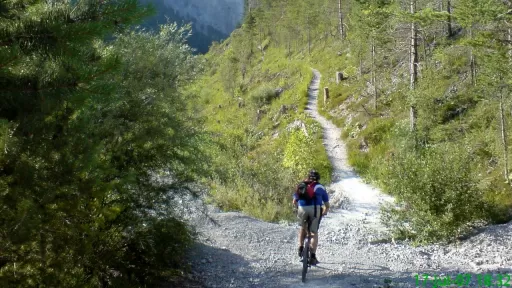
(262, 190)
(377, 130)
(304, 152)
(262, 95)
(360, 160)
(155, 244)
(436, 193)
(297, 154)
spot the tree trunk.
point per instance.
(413, 66)
(374, 84)
(340, 22)
(308, 21)
(449, 22)
(504, 137)
(360, 74)
(309, 40)
(509, 38)
(289, 49)
(472, 65)
(472, 61)
(326, 95)
(425, 52)
(261, 40)
(502, 114)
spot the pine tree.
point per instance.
(373, 22)
(84, 132)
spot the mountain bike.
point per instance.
(306, 253)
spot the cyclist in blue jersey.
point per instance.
(311, 208)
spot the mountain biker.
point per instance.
(313, 210)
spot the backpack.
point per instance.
(306, 190)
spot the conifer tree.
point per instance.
(86, 127)
(373, 21)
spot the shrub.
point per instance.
(358, 159)
(377, 130)
(298, 146)
(436, 193)
(155, 244)
(262, 95)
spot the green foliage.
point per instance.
(97, 146)
(297, 151)
(159, 243)
(262, 95)
(454, 106)
(484, 12)
(464, 77)
(378, 130)
(437, 194)
(361, 161)
(250, 131)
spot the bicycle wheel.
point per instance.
(305, 260)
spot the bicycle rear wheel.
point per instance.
(305, 260)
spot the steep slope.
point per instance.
(239, 251)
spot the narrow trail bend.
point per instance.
(360, 200)
(240, 251)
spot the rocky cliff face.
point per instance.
(212, 20)
(222, 15)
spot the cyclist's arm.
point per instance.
(326, 209)
(325, 199)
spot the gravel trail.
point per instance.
(361, 200)
(240, 251)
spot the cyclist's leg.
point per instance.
(302, 236)
(302, 215)
(314, 230)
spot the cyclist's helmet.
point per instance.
(314, 175)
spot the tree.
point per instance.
(488, 29)
(89, 128)
(340, 22)
(413, 64)
(449, 18)
(374, 19)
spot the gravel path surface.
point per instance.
(239, 251)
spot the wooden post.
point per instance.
(326, 95)
(339, 77)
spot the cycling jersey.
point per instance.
(321, 197)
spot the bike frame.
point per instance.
(306, 253)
